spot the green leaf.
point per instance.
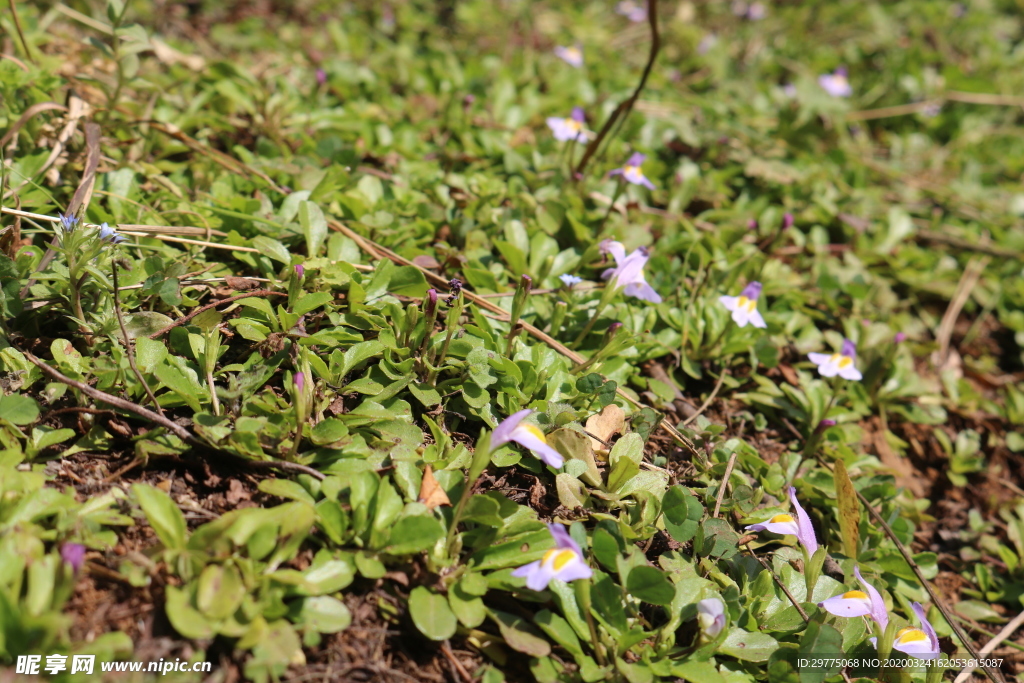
(272, 248)
(650, 585)
(520, 635)
(311, 301)
(163, 515)
(681, 513)
(820, 641)
(18, 409)
(185, 619)
(324, 614)
(314, 227)
(286, 488)
(468, 608)
(622, 471)
(414, 534)
(747, 646)
(431, 614)
(220, 591)
(408, 281)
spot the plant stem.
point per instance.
(128, 343)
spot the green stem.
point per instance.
(583, 595)
(611, 206)
(454, 313)
(606, 298)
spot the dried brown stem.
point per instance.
(128, 342)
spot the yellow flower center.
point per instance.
(558, 557)
(532, 429)
(910, 635)
(855, 595)
(782, 519)
(574, 125)
(845, 362)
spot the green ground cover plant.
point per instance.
(476, 341)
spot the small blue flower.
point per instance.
(68, 223)
(109, 234)
(570, 280)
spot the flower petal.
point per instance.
(805, 531)
(843, 606)
(642, 290)
(756, 320)
(503, 432)
(729, 302)
(549, 455)
(878, 611)
(820, 359)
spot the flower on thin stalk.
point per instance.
(836, 84)
(867, 602)
(570, 128)
(744, 306)
(73, 554)
(842, 363)
(918, 642)
(710, 617)
(632, 10)
(563, 562)
(800, 526)
(572, 55)
(570, 280)
(109, 234)
(527, 435)
(629, 271)
(632, 173)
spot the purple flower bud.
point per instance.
(579, 115)
(849, 348)
(752, 224)
(321, 77)
(826, 423)
(614, 327)
(299, 271)
(300, 381)
(787, 221)
(900, 337)
(527, 283)
(73, 554)
(636, 160)
(468, 101)
(431, 303)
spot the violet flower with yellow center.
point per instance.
(632, 173)
(570, 128)
(867, 602)
(629, 271)
(836, 84)
(744, 306)
(842, 363)
(572, 55)
(563, 562)
(922, 643)
(526, 435)
(799, 526)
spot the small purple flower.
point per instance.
(900, 337)
(68, 223)
(431, 303)
(573, 55)
(744, 306)
(858, 603)
(634, 11)
(826, 423)
(752, 224)
(73, 554)
(563, 562)
(632, 173)
(842, 363)
(300, 271)
(787, 524)
(787, 221)
(109, 234)
(629, 271)
(321, 77)
(526, 435)
(922, 642)
(836, 84)
(300, 381)
(710, 617)
(570, 280)
(570, 128)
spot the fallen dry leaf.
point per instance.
(431, 493)
(609, 421)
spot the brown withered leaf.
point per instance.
(431, 493)
(611, 420)
(241, 284)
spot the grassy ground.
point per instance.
(273, 416)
